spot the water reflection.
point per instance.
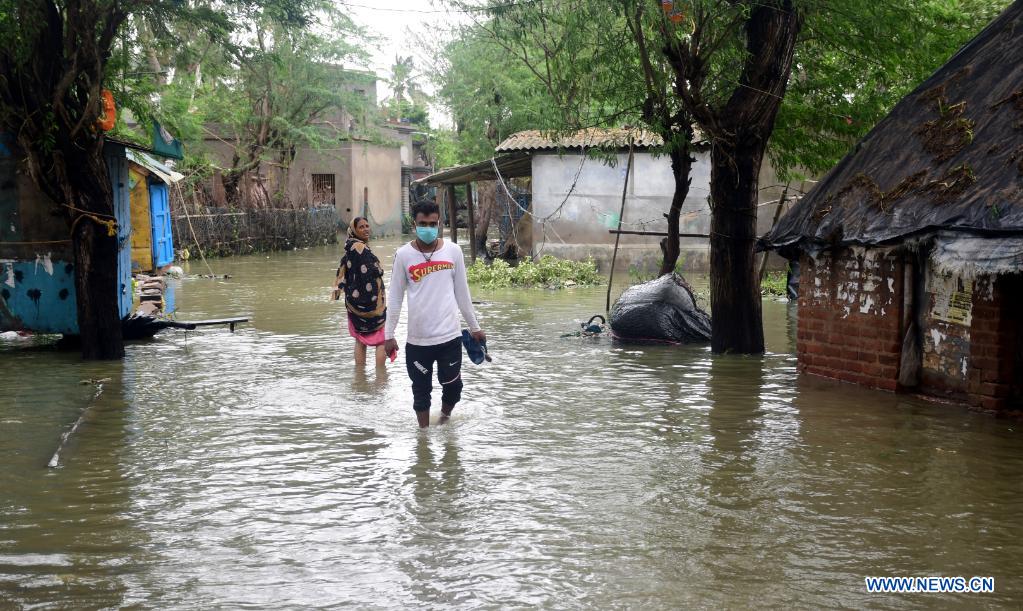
(70, 526)
(260, 469)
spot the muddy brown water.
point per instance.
(257, 470)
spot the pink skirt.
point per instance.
(375, 338)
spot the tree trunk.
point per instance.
(681, 164)
(97, 284)
(744, 126)
(487, 205)
(50, 99)
(737, 322)
(231, 180)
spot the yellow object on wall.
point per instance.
(141, 223)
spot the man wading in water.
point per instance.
(432, 270)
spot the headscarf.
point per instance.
(361, 277)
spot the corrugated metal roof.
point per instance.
(513, 165)
(165, 174)
(535, 140)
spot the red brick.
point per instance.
(888, 372)
(888, 359)
(992, 403)
(985, 362)
(829, 362)
(889, 385)
(988, 375)
(984, 337)
(995, 390)
(847, 376)
(815, 348)
(870, 369)
(890, 346)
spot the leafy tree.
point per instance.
(442, 149)
(268, 90)
(724, 67)
(490, 93)
(854, 61)
(54, 64)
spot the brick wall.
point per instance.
(994, 342)
(850, 316)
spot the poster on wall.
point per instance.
(953, 299)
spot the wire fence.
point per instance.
(222, 232)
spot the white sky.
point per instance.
(396, 23)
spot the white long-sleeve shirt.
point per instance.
(437, 290)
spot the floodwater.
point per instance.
(257, 470)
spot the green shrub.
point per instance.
(548, 272)
(774, 283)
(639, 275)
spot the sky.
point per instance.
(397, 23)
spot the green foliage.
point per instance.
(443, 148)
(560, 66)
(490, 94)
(265, 79)
(549, 272)
(853, 63)
(408, 102)
(639, 275)
(774, 284)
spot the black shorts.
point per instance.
(419, 363)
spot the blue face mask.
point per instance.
(427, 234)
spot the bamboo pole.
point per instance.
(657, 233)
(452, 214)
(472, 222)
(618, 235)
(777, 215)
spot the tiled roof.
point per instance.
(535, 140)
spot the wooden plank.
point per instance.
(219, 321)
(230, 322)
(452, 214)
(657, 233)
(472, 222)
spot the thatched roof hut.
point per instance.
(947, 163)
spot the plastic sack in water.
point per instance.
(660, 310)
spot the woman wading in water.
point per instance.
(361, 278)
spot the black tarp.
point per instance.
(662, 310)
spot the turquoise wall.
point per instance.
(38, 296)
(37, 292)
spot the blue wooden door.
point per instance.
(117, 166)
(163, 241)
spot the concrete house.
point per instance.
(575, 198)
(912, 246)
(359, 175)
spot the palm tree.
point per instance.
(403, 83)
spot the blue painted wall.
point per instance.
(37, 292)
(117, 167)
(163, 239)
(38, 296)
